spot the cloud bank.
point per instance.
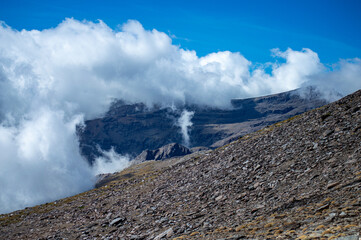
(51, 80)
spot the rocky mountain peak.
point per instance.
(162, 153)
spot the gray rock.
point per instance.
(323, 207)
(117, 221)
(167, 233)
(167, 151)
(343, 214)
(351, 237)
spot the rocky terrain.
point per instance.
(296, 179)
(133, 128)
(165, 152)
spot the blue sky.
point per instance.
(331, 28)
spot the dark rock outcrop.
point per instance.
(165, 152)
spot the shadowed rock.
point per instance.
(167, 151)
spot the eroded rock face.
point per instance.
(300, 178)
(132, 128)
(165, 152)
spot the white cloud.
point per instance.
(342, 79)
(51, 79)
(184, 122)
(299, 66)
(110, 162)
(40, 160)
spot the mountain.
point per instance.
(296, 179)
(132, 128)
(165, 152)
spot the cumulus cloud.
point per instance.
(51, 80)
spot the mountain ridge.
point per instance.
(132, 128)
(296, 179)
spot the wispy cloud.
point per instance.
(184, 122)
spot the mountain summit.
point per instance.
(296, 179)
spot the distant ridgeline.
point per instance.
(132, 128)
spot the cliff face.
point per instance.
(130, 129)
(300, 178)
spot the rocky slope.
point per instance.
(296, 179)
(132, 128)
